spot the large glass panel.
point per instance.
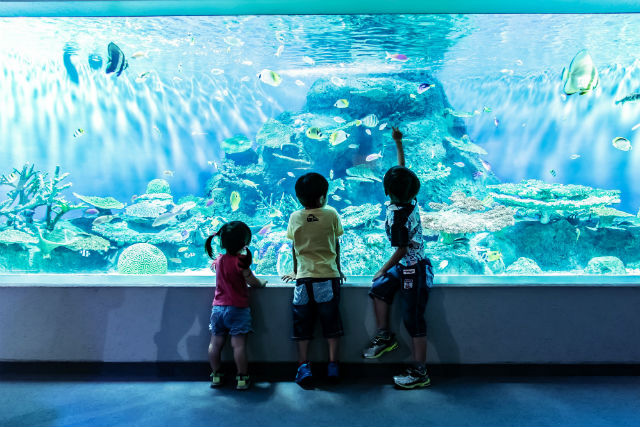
(125, 142)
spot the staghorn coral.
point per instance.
(142, 258)
(465, 215)
(102, 203)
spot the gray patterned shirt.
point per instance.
(404, 231)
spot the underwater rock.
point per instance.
(605, 265)
(142, 258)
(158, 185)
(362, 215)
(524, 266)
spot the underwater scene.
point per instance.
(126, 142)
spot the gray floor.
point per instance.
(472, 401)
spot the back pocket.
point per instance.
(323, 291)
(300, 295)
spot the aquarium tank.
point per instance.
(125, 142)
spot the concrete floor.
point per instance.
(464, 401)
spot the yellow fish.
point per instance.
(314, 133)
(341, 103)
(235, 200)
(494, 256)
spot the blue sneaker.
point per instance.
(304, 376)
(333, 372)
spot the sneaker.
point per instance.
(333, 372)
(216, 379)
(412, 378)
(379, 345)
(304, 376)
(243, 382)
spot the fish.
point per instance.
(117, 62)
(134, 198)
(485, 165)
(291, 174)
(582, 75)
(314, 133)
(622, 144)
(636, 127)
(280, 181)
(336, 197)
(184, 233)
(347, 201)
(178, 79)
(412, 96)
(357, 122)
(519, 61)
(95, 61)
(496, 121)
(78, 133)
(577, 234)
(352, 146)
(91, 211)
(341, 103)
(382, 126)
(337, 81)
(396, 57)
(234, 199)
(280, 50)
(249, 183)
(233, 41)
(167, 217)
(270, 77)
(507, 71)
(370, 121)
(216, 71)
(275, 212)
(142, 77)
(198, 133)
(168, 173)
(478, 174)
(374, 156)
(443, 264)
(459, 164)
(266, 229)
(209, 202)
(308, 60)
(433, 153)
(156, 130)
(339, 120)
(629, 98)
(363, 171)
(368, 131)
(103, 220)
(486, 109)
(460, 114)
(176, 260)
(247, 62)
(183, 249)
(553, 172)
(138, 54)
(299, 82)
(425, 87)
(189, 255)
(574, 156)
(338, 137)
(331, 174)
(280, 36)
(493, 256)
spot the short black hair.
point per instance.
(234, 236)
(309, 188)
(401, 183)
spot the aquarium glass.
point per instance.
(126, 142)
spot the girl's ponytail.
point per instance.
(208, 247)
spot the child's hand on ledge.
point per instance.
(289, 278)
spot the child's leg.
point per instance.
(419, 350)
(215, 348)
(303, 351)
(381, 310)
(334, 346)
(239, 344)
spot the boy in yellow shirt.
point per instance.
(316, 270)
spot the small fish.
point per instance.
(280, 50)
(234, 200)
(338, 137)
(382, 126)
(138, 54)
(216, 71)
(370, 121)
(494, 256)
(249, 183)
(459, 164)
(299, 82)
(247, 63)
(266, 229)
(347, 201)
(280, 36)
(331, 174)
(339, 120)
(314, 133)
(179, 68)
(352, 146)
(91, 211)
(184, 234)
(85, 253)
(280, 181)
(622, 144)
(636, 127)
(176, 260)
(308, 60)
(396, 57)
(102, 219)
(367, 131)
(156, 130)
(373, 157)
(433, 153)
(341, 103)
(519, 61)
(270, 77)
(143, 77)
(632, 97)
(168, 173)
(424, 87)
(198, 133)
(183, 249)
(486, 109)
(496, 121)
(443, 264)
(485, 165)
(78, 133)
(275, 212)
(189, 255)
(577, 234)
(134, 198)
(291, 174)
(574, 156)
(177, 79)
(337, 81)
(412, 96)
(553, 172)
(357, 122)
(507, 71)
(233, 41)
(478, 174)
(336, 197)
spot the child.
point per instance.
(230, 314)
(316, 270)
(408, 270)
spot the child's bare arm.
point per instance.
(397, 137)
(393, 260)
(252, 280)
(292, 277)
(338, 260)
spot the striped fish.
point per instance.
(117, 62)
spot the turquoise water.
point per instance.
(192, 82)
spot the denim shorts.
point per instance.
(413, 282)
(230, 320)
(314, 298)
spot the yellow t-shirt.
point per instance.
(315, 233)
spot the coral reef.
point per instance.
(363, 215)
(158, 186)
(524, 267)
(142, 258)
(605, 265)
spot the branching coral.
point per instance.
(355, 216)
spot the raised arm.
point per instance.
(397, 137)
(252, 280)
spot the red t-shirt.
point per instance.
(231, 286)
